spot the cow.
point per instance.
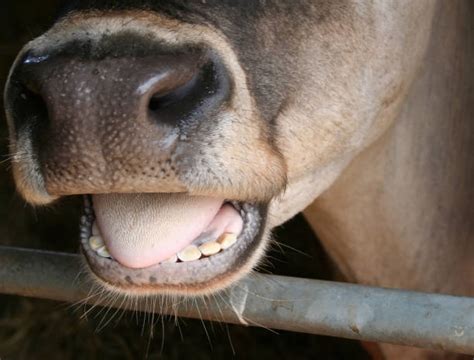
(194, 127)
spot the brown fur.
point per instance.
(401, 215)
(323, 108)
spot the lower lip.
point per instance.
(252, 223)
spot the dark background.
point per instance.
(39, 329)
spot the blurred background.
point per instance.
(39, 329)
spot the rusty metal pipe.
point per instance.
(318, 307)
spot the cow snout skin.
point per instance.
(98, 116)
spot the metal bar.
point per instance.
(434, 321)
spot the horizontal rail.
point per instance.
(434, 321)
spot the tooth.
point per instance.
(170, 260)
(210, 248)
(227, 240)
(95, 229)
(95, 242)
(102, 251)
(189, 253)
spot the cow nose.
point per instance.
(94, 122)
(164, 89)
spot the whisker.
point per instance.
(281, 244)
(203, 324)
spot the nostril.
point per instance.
(191, 97)
(24, 96)
(29, 106)
(162, 100)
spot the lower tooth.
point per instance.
(103, 252)
(210, 248)
(189, 253)
(227, 240)
(170, 260)
(96, 242)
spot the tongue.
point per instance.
(140, 230)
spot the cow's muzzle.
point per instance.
(161, 137)
(109, 109)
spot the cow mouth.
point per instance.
(169, 243)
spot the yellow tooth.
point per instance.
(210, 248)
(95, 242)
(227, 240)
(95, 229)
(170, 260)
(189, 253)
(102, 251)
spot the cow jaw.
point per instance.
(147, 243)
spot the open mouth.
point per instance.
(169, 243)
